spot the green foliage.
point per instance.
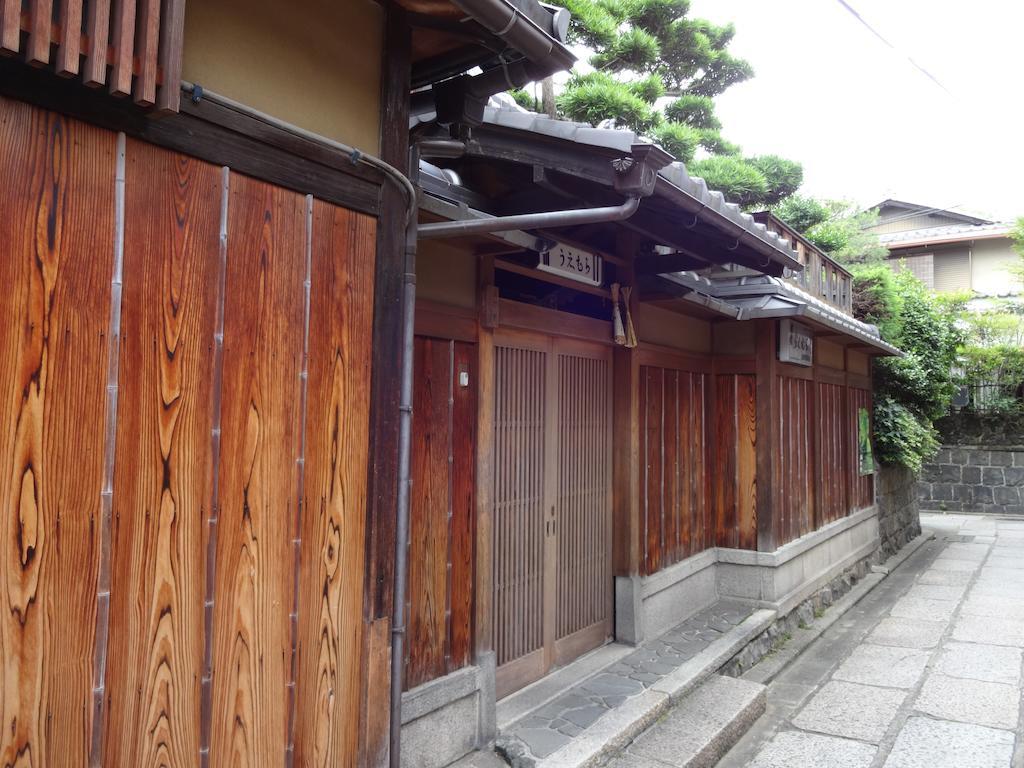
(593, 99)
(696, 111)
(801, 213)
(1017, 236)
(844, 236)
(635, 49)
(901, 437)
(525, 99)
(681, 140)
(739, 181)
(912, 391)
(647, 49)
(784, 177)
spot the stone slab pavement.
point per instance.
(925, 672)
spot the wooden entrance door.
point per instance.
(552, 504)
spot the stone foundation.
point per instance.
(801, 616)
(974, 478)
(899, 520)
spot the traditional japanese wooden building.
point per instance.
(573, 489)
(243, 499)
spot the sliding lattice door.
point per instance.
(552, 505)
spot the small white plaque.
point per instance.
(796, 343)
(574, 263)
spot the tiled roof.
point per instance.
(504, 112)
(949, 232)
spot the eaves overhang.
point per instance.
(767, 297)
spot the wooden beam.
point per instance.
(10, 27)
(658, 263)
(40, 25)
(172, 44)
(97, 28)
(70, 46)
(484, 571)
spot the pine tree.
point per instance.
(647, 51)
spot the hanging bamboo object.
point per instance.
(618, 333)
(630, 330)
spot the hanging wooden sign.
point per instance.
(574, 263)
(796, 343)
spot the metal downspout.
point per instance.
(404, 477)
(541, 220)
(395, 176)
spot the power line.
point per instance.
(880, 36)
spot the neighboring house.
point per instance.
(207, 348)
(949, 251)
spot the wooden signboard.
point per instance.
(796, 343)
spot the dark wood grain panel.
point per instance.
(57, 230)
(672, 469)
(687, 482)
(463, 528)
(653, 467)
(725, 460)
(746, 462)
(263, 342)
(162, 482)
(429, 509)
(331, 643)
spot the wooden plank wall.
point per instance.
(862, 487)
(206, 448)
(794, 469)
(140, 40)
(832, 429)
(441, 529)
(675, 452)
(735, 461)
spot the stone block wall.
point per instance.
(896, 494)
(974, 478)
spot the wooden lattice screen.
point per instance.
(131, 46)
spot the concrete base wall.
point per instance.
(448, 718)
(647, 606)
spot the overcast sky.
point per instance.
(863, 120)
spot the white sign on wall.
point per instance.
(796, 343)
(574, 263)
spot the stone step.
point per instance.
(700, 729)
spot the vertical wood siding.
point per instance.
(675, 448)
(57, 241)
(170, 495)
(833, 431)
(162, 485)
(441, 524)
(735, 461)
(333, 520)
(795, 467)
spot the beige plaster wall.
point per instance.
(828, 354)
(446, 274)
(735, 338)
(858, 362)
(670, 329)
(314, 64)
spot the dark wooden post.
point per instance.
(767, 435)
(382, 482)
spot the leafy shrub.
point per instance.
(801, 213)
(784, 176)
(698, 111)
(914, 390)
(593, 101)
(739, 181)
(681, 140)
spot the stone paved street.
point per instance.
(924, 672)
